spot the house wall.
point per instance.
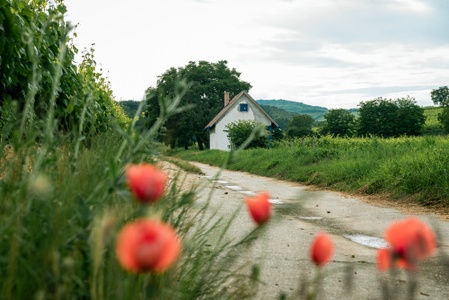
(218, 137)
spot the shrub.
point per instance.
(240, 131)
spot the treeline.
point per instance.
(379, 117)
(203, 101)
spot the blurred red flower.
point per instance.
(411, 240)
(322, 249)
(259, 207)
(383, 259)
(147, 245)
(146, 182)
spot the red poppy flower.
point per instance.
(410, 241)
(322, 249)
(147, 245)
(146, 182)
(259, 207)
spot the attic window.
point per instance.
(243, 107)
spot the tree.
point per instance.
(208, 82)
(440, 97)
(410, 117)
(239, 131)
(388, 118)
(300, 125)
(339, 122)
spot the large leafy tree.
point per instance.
(389, 118)
(208, 82)
(339, 122)
(300, 125)
(440, 97)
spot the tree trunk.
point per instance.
(200, 141)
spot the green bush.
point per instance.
(240, 131)
(391, 118)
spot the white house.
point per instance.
(241, 107)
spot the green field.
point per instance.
(407, 167)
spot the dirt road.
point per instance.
(356, 228)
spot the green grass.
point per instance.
(401, 167)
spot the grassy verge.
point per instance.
(182, 164)
(402, 167)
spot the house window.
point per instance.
(243, 107)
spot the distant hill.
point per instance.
(281, 116)
(316, 112)
(129, 107)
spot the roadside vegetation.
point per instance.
(402, 167)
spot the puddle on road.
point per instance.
(234, 187)
(240, 189)
(249, 193)
(252, 194)
(221, 181)
(275, 201)
(366, 240)
(311, 218)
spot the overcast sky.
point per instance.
(331, 53)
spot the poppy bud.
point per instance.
(321, 249)
(259, 207)
(146, 182)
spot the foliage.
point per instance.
(35, 47)
(443, 117)
(239, 131)
(390, 118)
(433, 125)
(101, 112)
(339, 122)
(441, 96)
(208, 82)
(300, 126)
(277, 134)
(130, 107)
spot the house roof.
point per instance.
(231, 103)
